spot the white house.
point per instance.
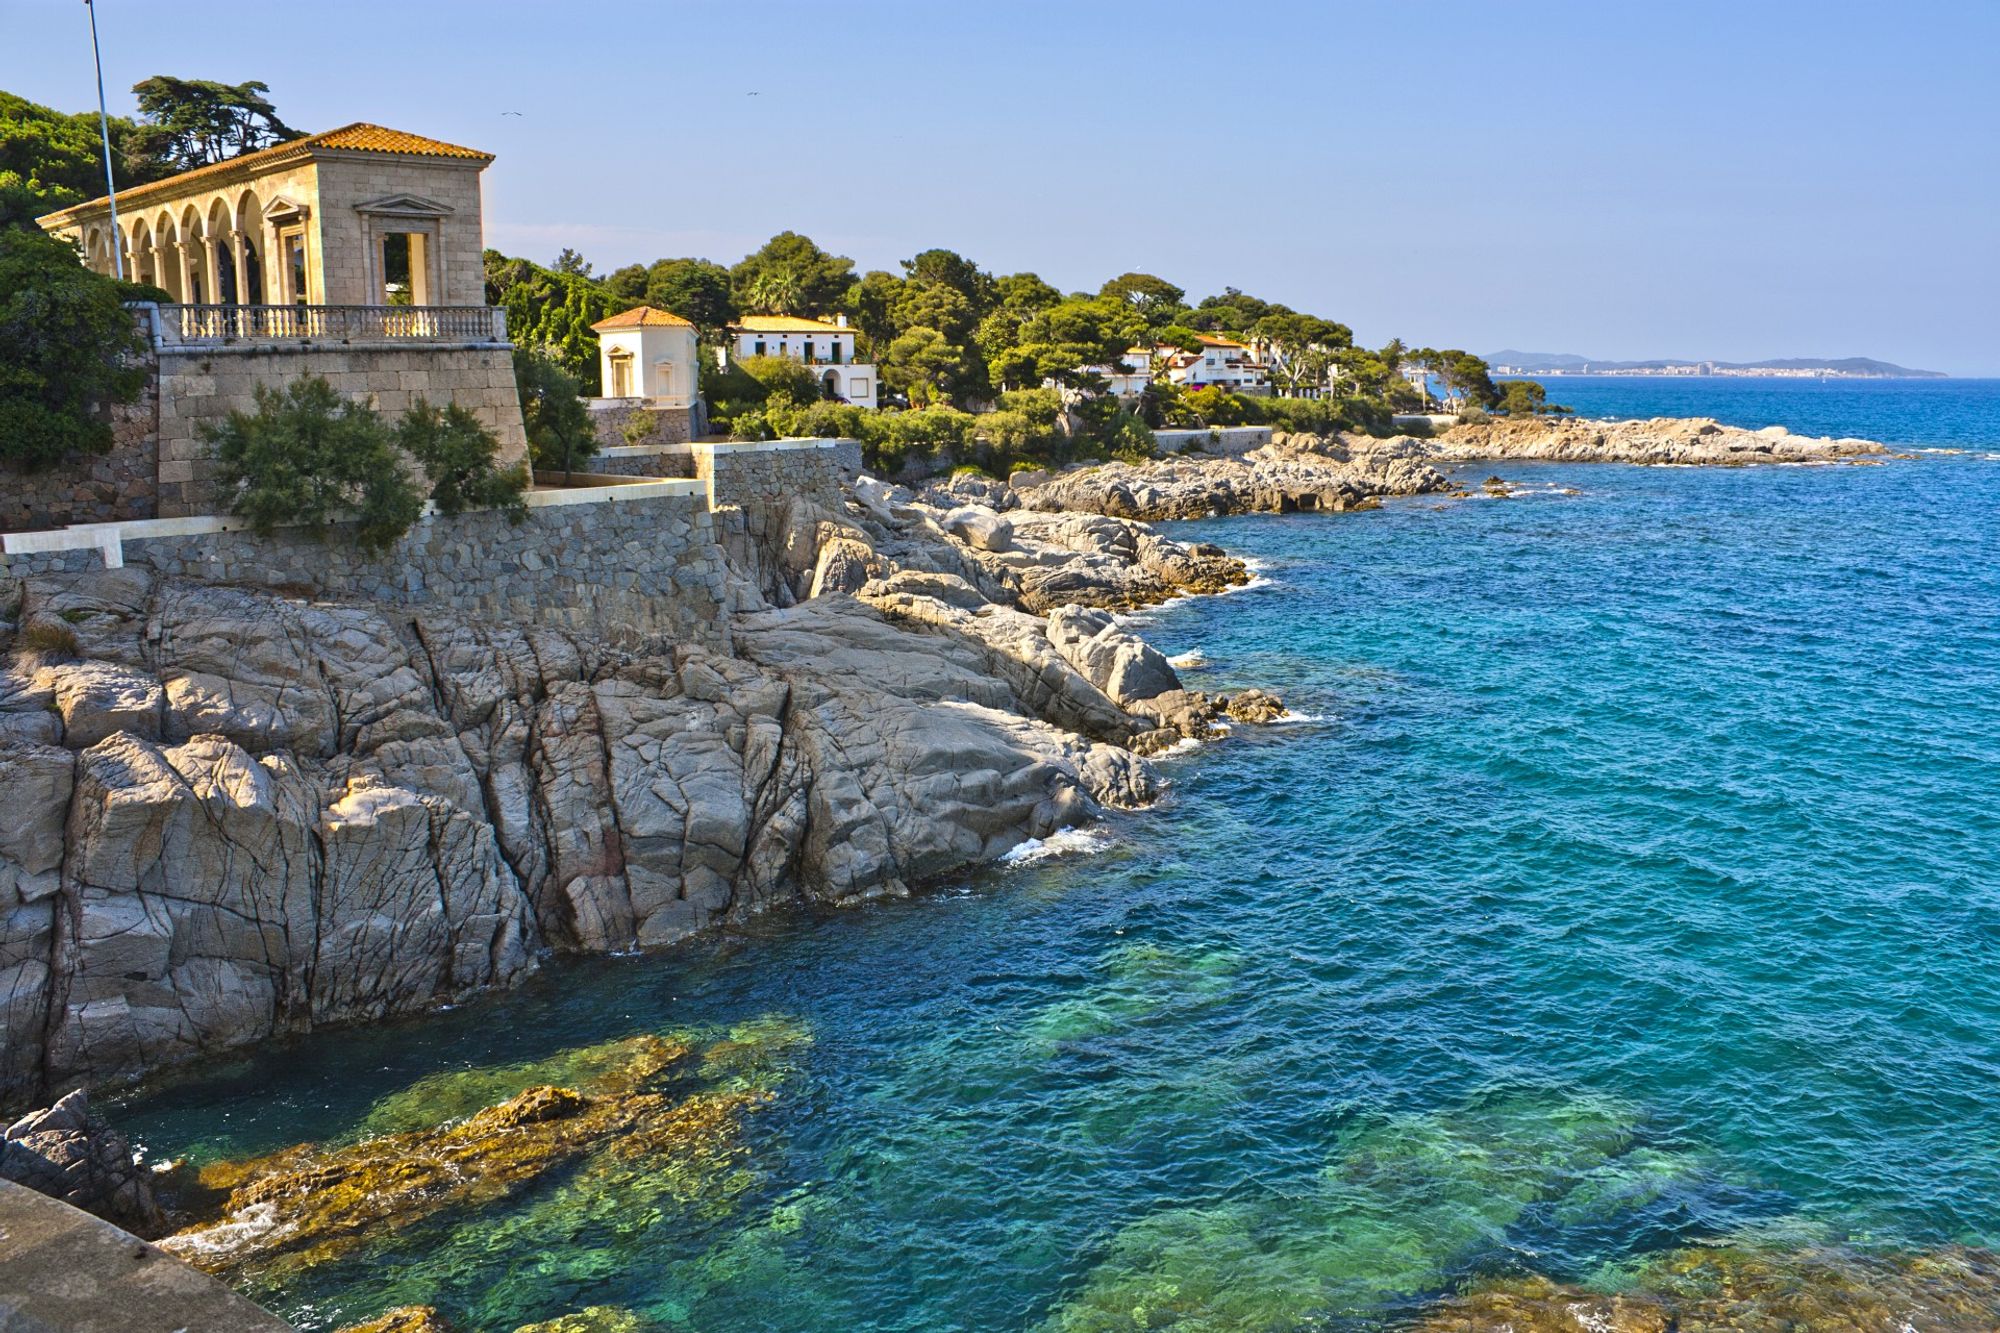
(828, 348)
(647, 353)
(1218, 362)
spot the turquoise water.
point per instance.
(1632, 880)
(1947, 413)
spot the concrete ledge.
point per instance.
(64, 1269)
(645, 451)
(612, 489)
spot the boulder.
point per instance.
(67, 1153)
(1124, 666)
(980, 526)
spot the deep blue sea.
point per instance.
(1632, 877)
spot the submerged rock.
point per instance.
(315, 1204)
(1749, 1288)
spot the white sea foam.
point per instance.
(1063, 842)
(1192, 657)
(226, 1237)
(1294, 716)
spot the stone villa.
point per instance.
(354, 255)
(358, 216)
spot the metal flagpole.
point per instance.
(104, 128)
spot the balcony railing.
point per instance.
(216, 324)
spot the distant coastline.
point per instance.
(1515, 363)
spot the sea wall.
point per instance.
(642, 460)
(635, 561)
(159, 464)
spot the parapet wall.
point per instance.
(628, 562)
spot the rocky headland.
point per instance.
(1303, 473)
(237, 813)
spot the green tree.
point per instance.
(552, 411)
(627, 285)
(1524, 398)
(789, 275)
(50, 160)
(1025, 293)
(782, 377)
(552, 311)
(949, 269)
(1156, 300)
(1061, 343)
(307, 456)
(872, 304)
(457, 453)
(66, 351)
(191, 123)
(1231, 312)
(695, 289)
(924, 364)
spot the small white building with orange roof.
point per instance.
(648, 353)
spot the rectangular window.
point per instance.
(760, 348)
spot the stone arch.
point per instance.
(139, 252)
(256, 251)
(217, 252)
(200, 286)
(167, 254)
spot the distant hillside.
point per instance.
(1567, 363)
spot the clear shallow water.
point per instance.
(1637, 883)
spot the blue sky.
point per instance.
(1739, 180)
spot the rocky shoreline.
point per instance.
(1298, 473)
(240, 814)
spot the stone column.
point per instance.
(244, 296)
(190, 269)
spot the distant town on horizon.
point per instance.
(1511, 362)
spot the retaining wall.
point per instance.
(120, 483)
(1218, 440)
(633, 561)
(639, 421)
(200, 387)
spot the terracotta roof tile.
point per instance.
(786, 324)
(642, 317)
(359, 137)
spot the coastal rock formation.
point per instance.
(239, 813)
(1699, 441)
(1294, 473)
(69, 1154)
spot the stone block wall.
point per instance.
(645, 566)
(632, 421)
(200, 387)
(643, 460)
(121, 483)
(1225, 441)
(774, 472)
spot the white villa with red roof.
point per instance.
(828, 348)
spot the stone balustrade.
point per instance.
(218, 325)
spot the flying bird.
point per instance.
(510, 113)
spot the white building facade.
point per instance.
(648, 353)
(827, 348)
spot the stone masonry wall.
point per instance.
(628, 421)
(774, 472)
(120, 483)
(625, 569)
(201, 387)
(643, 460)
